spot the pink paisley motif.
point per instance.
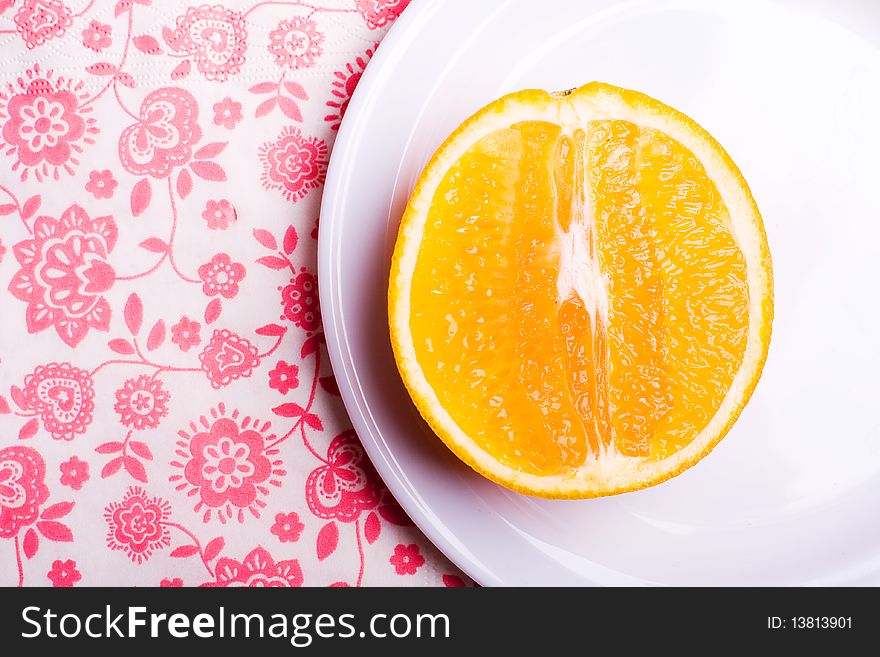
(228, 357)
(294, 163)
(64, 396)
(299, 300)
(22, 488)
(136, 525)
(38, 21)
(164, 136)
(346, 485)
(227, 465)
(65, 272)
(44, 125)
(379, 13)
(258, 569)
(215, 37)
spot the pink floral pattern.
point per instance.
(64, 398)
(45, 126)
(168, 413)
(65, 272)
(164, 136)
(137, 525)
(293, 163)
(22, 488)
(215, 37)
(258, 569)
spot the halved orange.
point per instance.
(581, 292)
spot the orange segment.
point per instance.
(580, 298)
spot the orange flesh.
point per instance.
(544, 374)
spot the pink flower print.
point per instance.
(258, 569)
(283, 377)
(378, 13)
(215, 37)
(228, 357)
(142, 402)
(74, 473)
(43, 125)
(101, 184)
(343, 87)
(226, 465)
(185, 334)
(221, 276)
(175, 582)
(64, 573)
(96, 36)
(287, 527)
(293, 163)
(22, 488)
(407, 559)
(299, 300)
(38, 21)
(64, 396)
(219, 214)
(136, 525)
(227, 113)
(65, 272)
(164, 136)
(346, 484)
(296, 43)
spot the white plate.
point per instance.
(792, 90)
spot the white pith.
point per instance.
(579, 274)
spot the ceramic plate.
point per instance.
(791, 89)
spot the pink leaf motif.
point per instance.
(141, 194)
(31, 543)
(154, 244)
(109, 448)
(55, 531)
(395, 515)
(30, 207)
(329, 384)
(18, 397)
(272, 262)
(372, 528)
(453, 581)
(208, 170)
(184, 551)
(135, 468)
(56, 511)
(121, 346)
(311, 345)
(134, 313)
(7, 208)
(168, 35)
(125, 79)
(265, 238)
(290, 240)
(212, 311)
(141, 449)
(265, 107)
(272, 330)
(147, 44)
(212, 549)
(313, 421)
(291, 409)
(263, 88)
(184, 183)
(208, 151)
(111, 467)
(328, 539)
(101, 68)
(181, 70)
(29, 430)
(296, 89)
(290, 108)
(4, 406)
(156, 336)
(121, 7)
